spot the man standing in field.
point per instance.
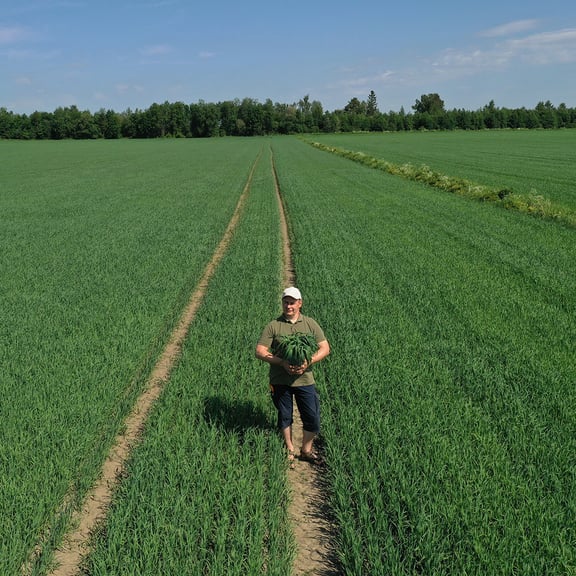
(289, 381)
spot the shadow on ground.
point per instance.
(235, 415)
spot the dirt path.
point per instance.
(68, 557)
(312, 530)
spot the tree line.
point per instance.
(249, 117)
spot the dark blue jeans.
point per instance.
(307, 401)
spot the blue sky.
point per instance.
(129, 54)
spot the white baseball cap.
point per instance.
(293, 293)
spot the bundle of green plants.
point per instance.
(297, 348)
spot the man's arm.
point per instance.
(264, 354)
(321, 353)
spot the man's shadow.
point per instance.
(237, 416)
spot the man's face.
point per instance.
(291, 307)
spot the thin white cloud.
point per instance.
(546, 47)
(12, 34)
(157, 50)
(128, 88)
(206, 54)
(543, 48)
(471, 60)
(363, 81)
(100, 97)
(510, 29)
(27, 54)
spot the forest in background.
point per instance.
(249, 117)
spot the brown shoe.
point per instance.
(311, 456)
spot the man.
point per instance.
(288, 382)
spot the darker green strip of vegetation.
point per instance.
(533, 204)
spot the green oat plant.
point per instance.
(297, 348)
(448, 399)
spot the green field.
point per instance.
(525, 161)
(101, 247)
(449, 421)
(450, 401)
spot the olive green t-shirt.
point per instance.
(270, 338)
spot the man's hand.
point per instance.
(295, 370)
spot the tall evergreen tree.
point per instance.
(371, 104)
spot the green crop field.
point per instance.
(449, 420)
(449, 397)
(101, 247)
(524, 161)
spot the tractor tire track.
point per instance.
(308, 509)
(75, 546)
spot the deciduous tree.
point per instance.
(429, 103)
